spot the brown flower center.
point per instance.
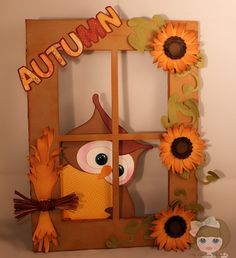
(175, 227)
(181, 147)
(175, 47)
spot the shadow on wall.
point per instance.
(16, 234)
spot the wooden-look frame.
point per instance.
(43, 110)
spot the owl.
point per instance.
(88, 169)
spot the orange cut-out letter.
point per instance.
(39, 71)
(92, 34)
(27, 77)
(112, 18)
(68, 49)
(54, 50)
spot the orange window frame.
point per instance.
(43, 110)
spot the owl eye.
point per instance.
(101, 159)
(126, 170)
(121, 170)
(93, 155)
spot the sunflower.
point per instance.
(171, 229)
(181, 149)
(175, 48)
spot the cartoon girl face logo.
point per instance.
(210, 235)
(209, 245)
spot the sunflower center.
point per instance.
(181, 148)
(175, 226)
(175, 47)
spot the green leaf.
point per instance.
(201, 60)
(175, 203)
(148, 220)
(173, 109)
(212, 177)
(192, 104)
(184, 74)
(158, 21)
(165, 123)
(185, 175)
(128, 242)
(188, 108)
(147, 234)
(196, 207)
(180, 191)
(172, 112)
(185, 110)
(112, 242)
(138, 40)
(136, 21)
(144, 29)
(188, 89)
(131, 227)
(212, 173)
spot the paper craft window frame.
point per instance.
(43, 110)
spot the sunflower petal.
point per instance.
(189, 59)
(180, 244)
(180, 29)
(189, 35)
(187, 165)
(169, 29)
(161, 37)
(169, 244)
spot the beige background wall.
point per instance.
(218, 108)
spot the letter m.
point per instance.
(92, 34)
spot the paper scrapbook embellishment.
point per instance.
(171, 229)
(210, 236)
(43, 175)
(181, 149)
(175, 49)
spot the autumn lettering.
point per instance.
(82, 37)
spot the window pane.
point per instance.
(142, 92)
(149, 188)
(78, 82)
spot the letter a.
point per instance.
(27, 77)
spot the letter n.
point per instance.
(112, 18)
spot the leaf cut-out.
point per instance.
(211, 176)
(180, 191)
(185, 175)
(201, 60)
(196, 207)
(187, 108)
(175, 203)
(146, 236)
(188, 89)
(148, 221)
(112, 242)
(131, 227)
(144, 30)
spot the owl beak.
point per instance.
(105, 171)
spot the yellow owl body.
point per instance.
(95, 195)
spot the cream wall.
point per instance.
(218, 108)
